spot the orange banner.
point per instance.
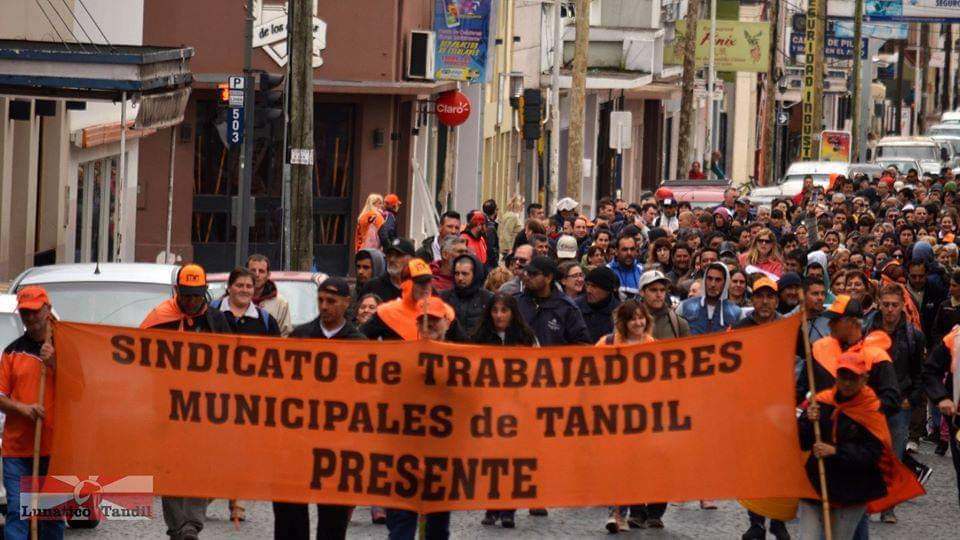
(431, 426)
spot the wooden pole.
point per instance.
(811, 381)
(301, 134)
(37, 435)
(855, 97)
(768, 175)
(684, 146)
(578, 96)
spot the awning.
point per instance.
(330, 86)
(91, 71)
(599, 79)
(657, 90)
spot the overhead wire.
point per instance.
(82, 29)
(66, 26)
(53, 26)
(94, 19)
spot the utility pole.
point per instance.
(244, 201)
(924, 62)
(687, 82)
(769, 175)
(578, 96)
(301, 134)
(554, 181)
(948, 52)
(857, 82)
(898, 107)
(711, 84)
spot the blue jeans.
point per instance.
(402, 525)
(899, 424)
(16, 528)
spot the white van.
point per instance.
(931, 155)
(792, 181)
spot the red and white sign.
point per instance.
(453, 108)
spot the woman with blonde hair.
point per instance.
(369, 223)
(764, 253)
(511, 223)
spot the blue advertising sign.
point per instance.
(884, 30)
(463, 38)
(912, 10)
(835, 47)
(234, 126)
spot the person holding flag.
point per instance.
(27, 376)
(187, 311)
(862, 473)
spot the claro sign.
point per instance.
(453, 108)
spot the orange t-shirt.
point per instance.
(20, 381)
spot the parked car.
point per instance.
(931, 155)
(952, 142)
(699, 193)
(951, 128)
(10, 326)
(299, 289)
(119, 294)
(950, 117)
(903, 165)
(792, 181)
(870, 169)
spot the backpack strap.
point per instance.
(674, 322)
(215, 304)
(264, 317)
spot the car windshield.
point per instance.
(954, 127)
(913, 152)
(10, 328)
(117, 304)
(819, 179)
(301, 295)
(902, 166)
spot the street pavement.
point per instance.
(932, 517)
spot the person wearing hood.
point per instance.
(817, 266)
(711, 312)
(442, 268)
(370, 264)
(847, 335)
(922, 251)
(187, 311)
(553, 317)
(468, 297)
(387, 287)
(789, 287)
(266, 295)
(927, 294)
(599, 302)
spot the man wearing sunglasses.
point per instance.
(553, 317)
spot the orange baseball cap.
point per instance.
(32, 298)
(418, 270)
(764, 282)
(852, 361)
(192, 280)
(392, 199)
(844, 306)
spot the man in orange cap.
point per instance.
(400, 319)
(20, 373)
(862, 472)
(187, 312)
(391, 207)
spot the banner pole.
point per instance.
(811, 381)
(38, 429)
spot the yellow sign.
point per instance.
(740, 46)
(835, 146)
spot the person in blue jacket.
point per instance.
(711, 312)
(626, 266)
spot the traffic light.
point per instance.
(224, 89)
(268, 105)
(532, 101)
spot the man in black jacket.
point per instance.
(850, 450)
(907, 355)
(928, 295)
(387, 287)
(552, 316)
(468, 297)
(599, 302)
(940, 366)
(490, 212)
(292, 520)
(449, 225)
(948, 314)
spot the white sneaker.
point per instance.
(612, 526)
(912, 447)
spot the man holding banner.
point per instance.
(22, 375)
(292, 520)
(187, 311)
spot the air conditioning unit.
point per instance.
(421, 54)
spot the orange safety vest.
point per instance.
(874, 347)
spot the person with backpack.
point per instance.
(244, 317)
